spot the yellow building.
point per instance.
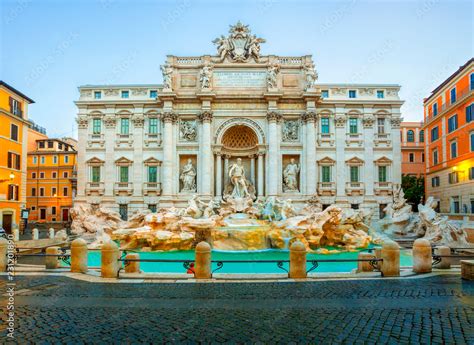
(51, 178)
(13, 144)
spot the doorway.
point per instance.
(42, 213)
(7, 223)
(65, 215)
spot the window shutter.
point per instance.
(9, 164)
(16, 192)
(18, 162)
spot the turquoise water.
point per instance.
(172, 267)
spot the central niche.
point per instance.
(240, 137)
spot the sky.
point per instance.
(49, 48)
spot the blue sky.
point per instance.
(48, 48)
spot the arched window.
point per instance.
(410, 136)
(422, 136)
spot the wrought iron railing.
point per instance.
(64, 256)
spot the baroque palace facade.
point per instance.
(156, 145)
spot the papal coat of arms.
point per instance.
(240, 45)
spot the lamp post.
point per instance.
(11, 177)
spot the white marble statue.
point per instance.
(311, 76)
(238, 180)
(188, 177)
(223, 46)
(167, 72)
(205, 76)
(188, 130)
(290, 176)
(272, 76)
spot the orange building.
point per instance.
(412, 145)
(449, 142)
(13, 144)
(51, 179)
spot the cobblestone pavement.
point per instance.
(436, 310)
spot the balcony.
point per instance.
(95, 188)
(326, 139)
(124, 140)
(355, 188)
(123, 188)
(382, 140)
(383, 188)
(152, 139)
(354, 139)
(327, 188)
(153, 188)
(96, 140)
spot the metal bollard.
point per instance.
(133, 266)
(109, 261)
(422, 259)
(79, 256)
(297, 260)
(202, 261)
(390, 254)
(52, 262)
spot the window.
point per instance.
(325, 93)
(152, 207)
(152, 174)
(60, 146)
(434, 133)
(469, 113)
(123, 174)
(326, 174)
(54, 192)
(325, 125)
(95, 174)
(123, 211)
(471, 83)
(65, 191)
(97, 94)
(153, 125)
(65, 174)
(153, 93)
(452, 123)
(13, 192)
(411, 157)
(354, 174)
(14, 132)
(423, 157)
(410, 136)
(15, 106)
(380, 94)
(435, 109)
(471, 136)
(50, 144)
(382, 173)
(54, 174)
(13, 161)
(53, 209)
(453, 95)
(454, 149)
(42, 160)
(41, 191)
(453, 177)
(35, 159)
(472, 199)
(33, 191)
(41, 144)
(125, 94)
(33, 175)
(435, 157)
(353, 125)
(124, 126)
(381, 125)
(41, 174)
(471, 173)
(66, 159)
(42, 213)
(422, 136)
(352, 94)
(455, 204)
(355, 206)
(55, 159)
(435, 181)
(96, 126)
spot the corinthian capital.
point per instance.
(206, 116)
(368, 120)
(395, 122)
(109, 121)
(169, 116)
(340, 120)
(309, 116)
(273, 116)
(138, 121)
(82, 122)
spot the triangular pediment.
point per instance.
(383, 161)
(95, 160)
(355, 161)
(327, 161)
(123, 161)
(152, 161)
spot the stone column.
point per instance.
(226, 170)
(79, 256)
(273, 159)
(340, 138)
(110, 138)
(252, 169)
(310, 118)
(422, 258)
(167, 183)
(82, 135)
(397, 153)
(390, 255)
(138, 122)
(260, 175)
(202, 267)
(110, 254)
(206, 153)
(218, 175)
(369, 178)
(52, 262)
(297, 260)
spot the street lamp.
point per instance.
(11, 177)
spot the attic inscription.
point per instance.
(240, 78)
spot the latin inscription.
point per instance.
(240, 78)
